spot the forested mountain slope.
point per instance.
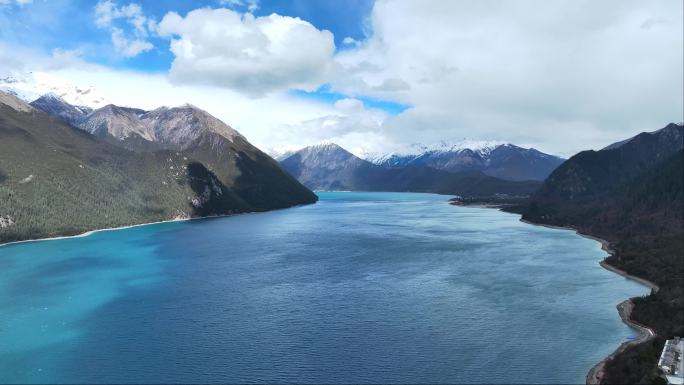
(630, 194)
(56, 179)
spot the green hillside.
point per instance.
(632, 196)
(58, 180)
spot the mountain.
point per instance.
(31, 85)
(501, 160)
(196, 133)
(328, 166)
(56, 179)
(176, 128)
(58, 107)
(669, 133)
(630, 193)
(592, 174)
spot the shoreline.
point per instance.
(91, 232)
(595, 374)
(178, 218)
(605, 246)
(624, 308)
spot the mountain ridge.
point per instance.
(630, 193)
(328, 166)
(498, 159)
(75, 181)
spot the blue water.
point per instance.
(360, 287)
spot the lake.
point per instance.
(358, 288)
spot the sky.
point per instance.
(373, 76)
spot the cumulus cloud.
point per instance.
(284, 123)
(559, 75)
(563, 75)
(255, 55)
(128, 45)
(350, 124)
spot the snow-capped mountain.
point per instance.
(499, 159)
(56, 106)
(327, 166)
(413, 151)
(30, 86)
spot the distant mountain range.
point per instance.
(630, 193)
(66, 169)
(501, 160)
(29, 86)
(328, 166)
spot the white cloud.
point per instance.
(349, 105)
(272, 122)
(107, 12)
(250, 5)
(277, 121)
(350, 41)
(129, 47)
(558, 75)
(562, 75)
(255, 55)
(350, 124)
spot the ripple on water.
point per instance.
(361, 287)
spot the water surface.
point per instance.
(360, 287)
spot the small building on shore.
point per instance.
(671, 361)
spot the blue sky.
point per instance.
(326, 94)
(69, 25)
(560, 76)
(47, 25)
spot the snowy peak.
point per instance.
(494, 158)
(32, 85)
(54, 105)
(416, 150)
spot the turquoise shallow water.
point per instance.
(360, 287)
